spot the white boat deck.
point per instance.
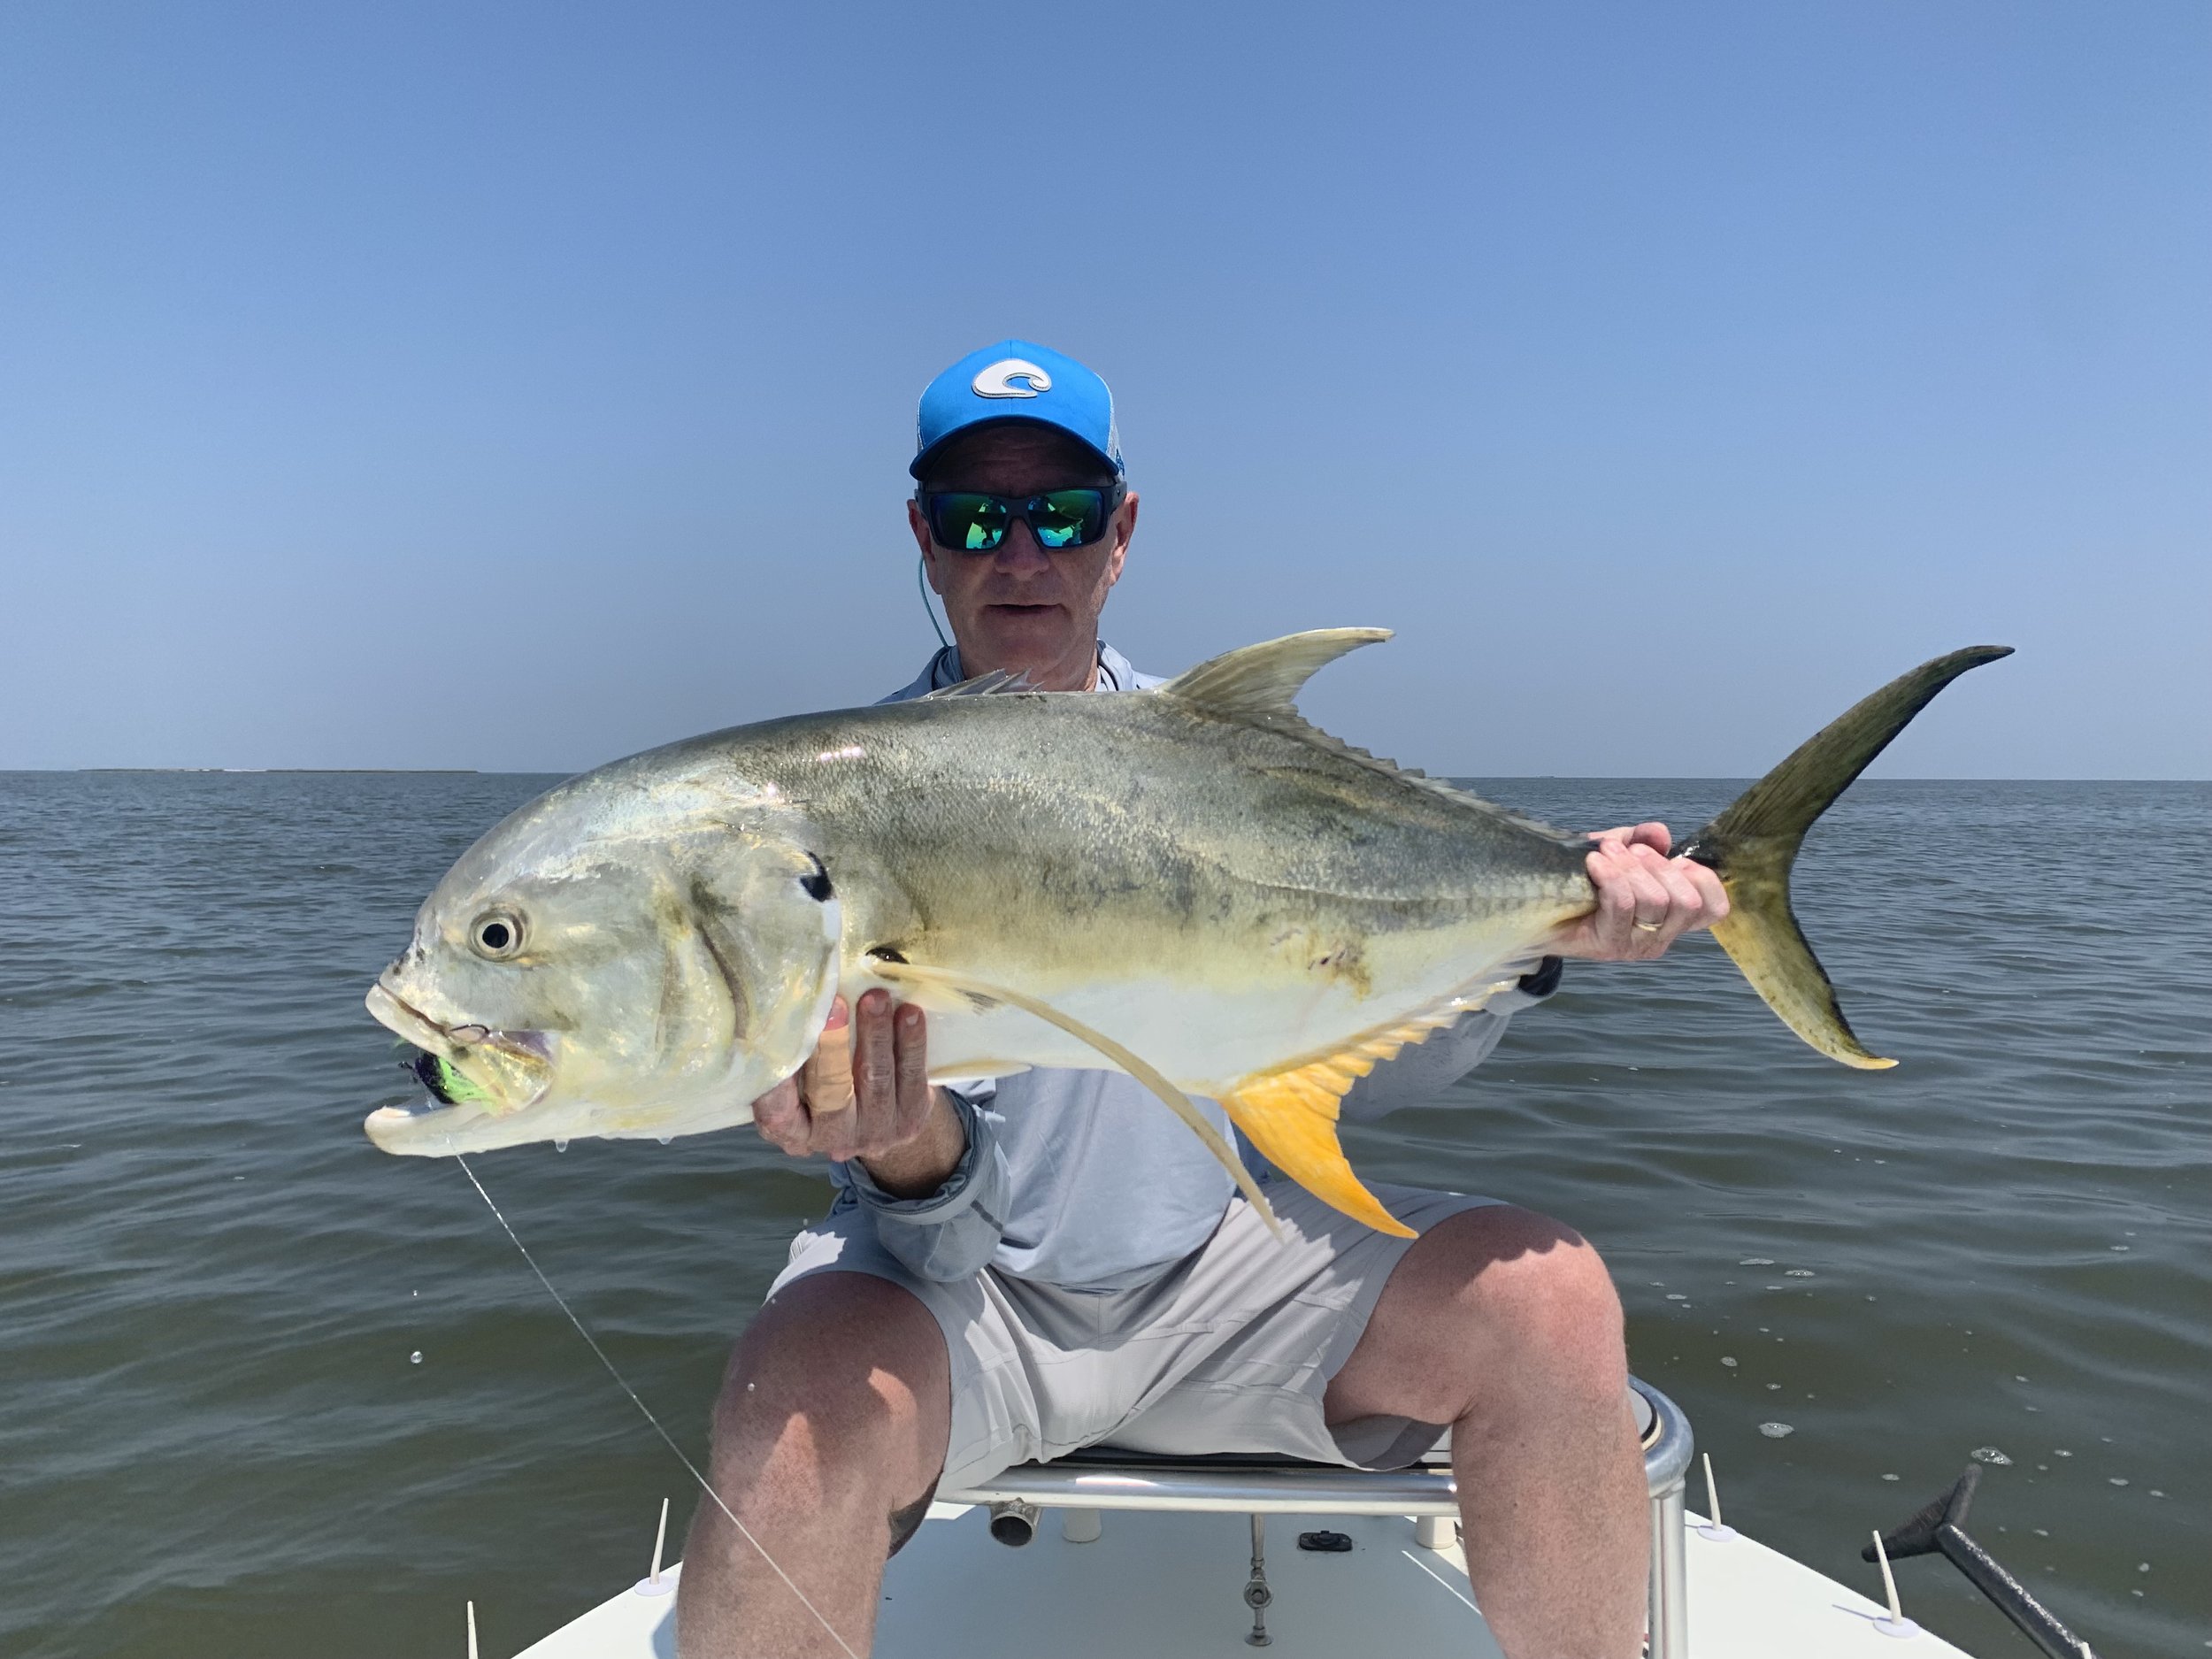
(1170, 1585)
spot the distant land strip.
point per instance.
(441, 771)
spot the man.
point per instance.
(1012, 1271)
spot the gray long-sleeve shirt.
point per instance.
(1084, 1180)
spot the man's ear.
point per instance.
(1124, 527)
(919, 526)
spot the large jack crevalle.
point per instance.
(1191, 884)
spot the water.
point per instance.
(268, 1390)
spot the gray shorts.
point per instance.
(1229, 1350)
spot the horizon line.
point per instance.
(484, 771)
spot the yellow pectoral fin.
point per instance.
(1174, 1098)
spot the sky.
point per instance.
(516, 387)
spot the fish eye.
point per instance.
(496, 935)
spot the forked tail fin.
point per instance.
(1753, 844)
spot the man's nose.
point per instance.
(1019, 554)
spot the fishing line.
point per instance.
(621, 1382)
(921, 584)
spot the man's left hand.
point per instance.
(1645, 900)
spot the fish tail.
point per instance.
(1753, 845)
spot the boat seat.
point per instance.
(1099, 1478)
(1439, 1455)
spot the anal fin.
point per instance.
(1290, 1114)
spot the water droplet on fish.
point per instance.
(2117, 1480)
(1797, 1272)
(415, 1358)
(1889, 1477)
(560, 1146)
(1776, 1431)
(664, 1140)
(1728, 1360)
(1991, 1456)
(1757, 1261)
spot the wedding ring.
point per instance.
(1646, 927)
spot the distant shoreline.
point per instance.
(437, 772)
(479, 772)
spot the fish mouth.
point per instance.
(474, 1074)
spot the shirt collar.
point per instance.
(1114, 670)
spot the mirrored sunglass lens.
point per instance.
(1068, 518)
(976, 522)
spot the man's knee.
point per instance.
(1544, 1283)
(840, 1370)
(1525, 1291)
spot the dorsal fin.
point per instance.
(999, 679)
(1260, 682)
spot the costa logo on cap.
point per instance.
(999, 379)
(1017, 383)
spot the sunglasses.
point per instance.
(976, 522)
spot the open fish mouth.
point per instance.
(499, 1072)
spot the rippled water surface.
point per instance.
(215, 1437)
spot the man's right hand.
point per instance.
(865, 1094)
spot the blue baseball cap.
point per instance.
(1016, 379)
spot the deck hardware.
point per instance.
(1940, 1529)
(1896, 1624)
(1327, 1543)
(654, 1583)
(1014, 1523)
(1432, 1532)
(1257, 1597)
(1713, 1530)
(1081, 1527)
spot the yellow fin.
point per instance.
(1175, 1100)
(1291, 1116)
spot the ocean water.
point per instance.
(266, 1391)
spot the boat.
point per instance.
(1116, 1556)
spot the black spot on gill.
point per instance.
(817, 882)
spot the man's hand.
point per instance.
(1645, 900)
(865, 1094)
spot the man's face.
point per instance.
(1020, 606)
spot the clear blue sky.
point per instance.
(514, 386)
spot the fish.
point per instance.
(1192, 884)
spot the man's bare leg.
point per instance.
(1505, 1326)
(832, 1418)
